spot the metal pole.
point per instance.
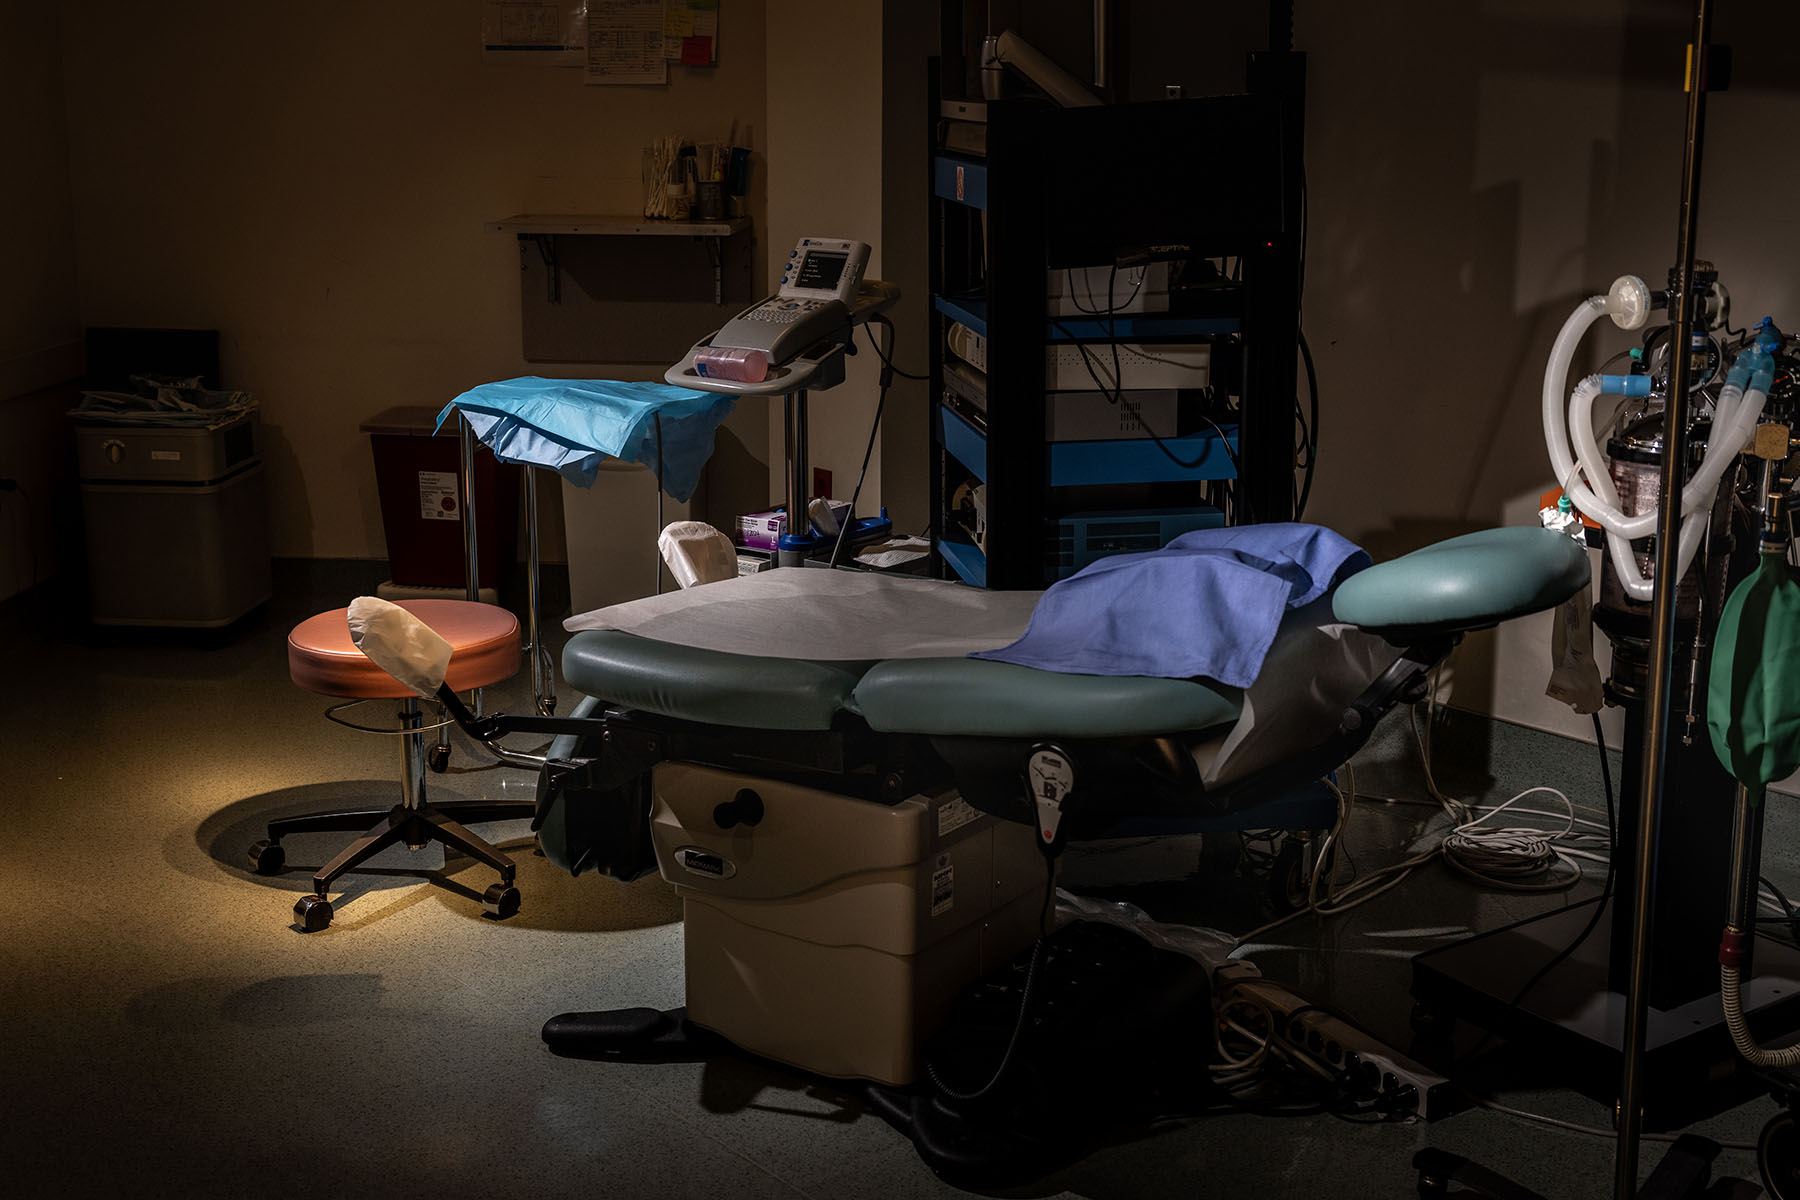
(471, 550)
(543, 682)
(471, 559)
(794, 414)
(1742, 904)
(656, 567)
(1662, 619)
(1102, 43)
(412, 756)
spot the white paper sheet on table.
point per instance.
(824, 615)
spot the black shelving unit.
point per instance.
(1022, 188)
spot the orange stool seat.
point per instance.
(484, 640)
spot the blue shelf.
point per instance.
(972, 311)
(1141, 461)
(1138, 325)
(966, 444)
(962, 180)
(1136, 460)
(969, 563)
(965, 310)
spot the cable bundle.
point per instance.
(1521, 858)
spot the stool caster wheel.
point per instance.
(439, 759)
(312, 913)
(267, 858)
(501, 900)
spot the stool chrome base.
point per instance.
(416, 827)
(415, 821)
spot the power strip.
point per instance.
(1374, 1070)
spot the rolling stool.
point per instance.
(322, 658)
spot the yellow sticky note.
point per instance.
(678, 20)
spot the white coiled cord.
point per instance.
(1519, 858)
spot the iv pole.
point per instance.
(1630, 1117)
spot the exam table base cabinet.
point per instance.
(834, 933)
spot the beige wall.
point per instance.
(1462, 202)
(316, 189)
(40, 323)
(40, 320)
(314, 184)
(825, 179)
(910, 39)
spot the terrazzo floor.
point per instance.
(167, 1032)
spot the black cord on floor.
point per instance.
(1600, 906)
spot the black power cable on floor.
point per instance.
(1600, 906)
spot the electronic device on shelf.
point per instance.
(817, 297)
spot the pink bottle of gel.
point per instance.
(740, 366)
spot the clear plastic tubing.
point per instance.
(1735, 415)
(724, 362)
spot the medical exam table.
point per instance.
(861, 821)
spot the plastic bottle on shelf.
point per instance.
(740, 366)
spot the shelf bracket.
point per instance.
(546, 245)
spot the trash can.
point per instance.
(176, 521)
(418, 477)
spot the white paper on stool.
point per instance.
(400, 644)
(697, 553)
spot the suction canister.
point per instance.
(1634, 462)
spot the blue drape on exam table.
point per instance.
(570, 425)
(1208, 604)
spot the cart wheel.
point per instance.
(312, 913)
(267, 857)
(1777, 1159)
(501, 900)
(439, 759)
(1288, 875)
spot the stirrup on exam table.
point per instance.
(484, 650)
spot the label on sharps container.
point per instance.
(943, 890)
(165, 456)
(953, 814)
(438, 496)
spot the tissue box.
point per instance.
(763, 530)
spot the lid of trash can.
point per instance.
(416, 420)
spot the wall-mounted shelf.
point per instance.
(614, 226)
(545, 228)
